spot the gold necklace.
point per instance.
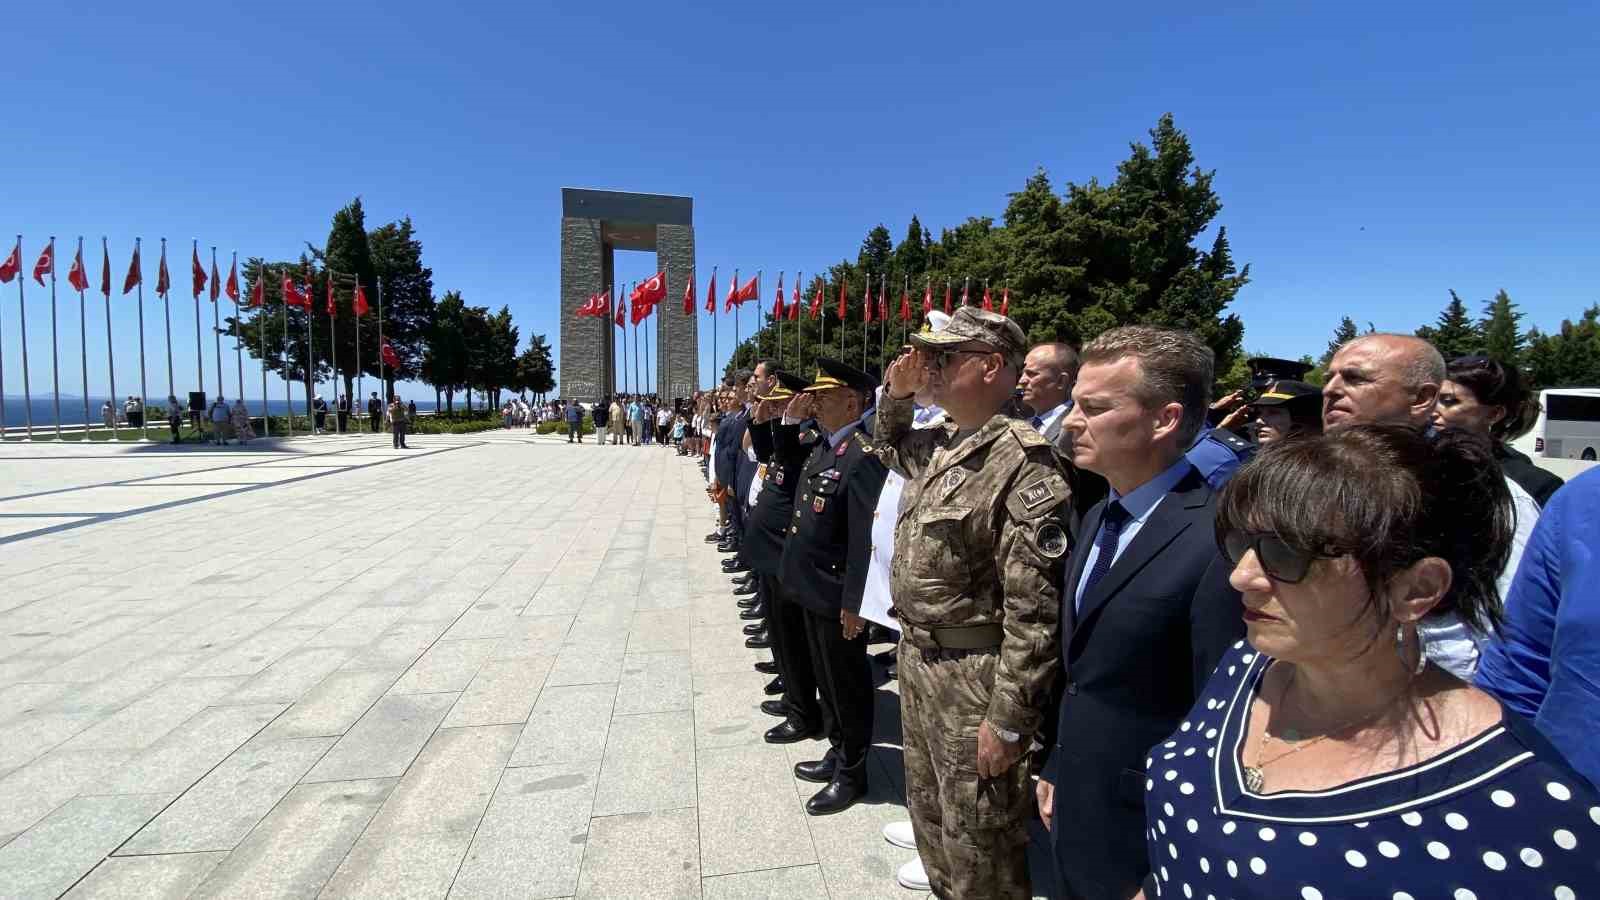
(1254, 776)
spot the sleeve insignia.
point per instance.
(1036, 494)
(952, 479)
(1051, 540)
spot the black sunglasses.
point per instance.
(1281, 561)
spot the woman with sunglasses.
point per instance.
(1485, 396)
(1327, 756)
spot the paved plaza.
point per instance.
(493, 665)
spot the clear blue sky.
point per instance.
(1369, 156)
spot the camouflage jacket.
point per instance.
(982, 538)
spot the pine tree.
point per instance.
(1345, 333)
(1501, 338)
(407, 294)
(1455, 335)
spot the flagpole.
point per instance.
(261, 325)
(383, 367)
(238, 329)
(664, 367)
(638, 378)
(905, 290)
(716, 380)
(144, 392)
(55, 368)
(865, 313)
(333, 349)
(311, 348)
(844, 288)
(22, 308)
(83, 335)
(111, 358)
(19, 276)
(199, 354)
(216, 321)
(822, 338)
(361, 382)
(799, 326)
(166, 307)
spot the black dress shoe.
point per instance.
(774, 687)
(767, 667)
(819, 771)
(877, 634)
(841, 793)
(753, 613)
(744, 590)
(733, 566)
(748, 602)
(789, 731)
(753, 628)
(714, 537)
(728, 547)
(775, 708)
(742, 580)
(759, 641)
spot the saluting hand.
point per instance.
(800, 407)
(907, 375)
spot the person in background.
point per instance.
(398, 420)
(1488, 397)
(411, 412)
(601, 414)
(663, 423)
(220, 424)
(1546, 664)
(574, 416)
(1328, 758)
(375, 413)
(108, 414)
(342, 408)
(174, 416)
(239, 416)
(618, 418)
(319, 412)
(1287, 409)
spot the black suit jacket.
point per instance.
(824, 565)
(1134, 658)
(768, 527)
(730, 437)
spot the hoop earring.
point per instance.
(1400, 649)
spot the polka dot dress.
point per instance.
(1501, 816)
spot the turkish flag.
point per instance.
(293, 296)
(390, 358)
(134, 276)
(905, 306)
(105, 270)
(732, 300)
(866, 302)
(620, 309)
(361, 300)
(844, 302)
(46, 265)
(816, 302)
(331, 307)
(258, 291)
(988, 304)
(232, 287)
(947, 297)
(652, 291)
(586, 308)
(794, 300)
(777, 302)
(964, 293)
(748, 292)
(711, 294)
(163, 277)
(883, 302)
(198, 271)
(1005, 302)
(12, 265)
(76, 276)
(927, 300)
(688, 297)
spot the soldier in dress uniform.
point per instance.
(824, 569)
(979, 551)
(784, 437)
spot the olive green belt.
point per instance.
(955, 637)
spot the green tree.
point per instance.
(447, 358)
(1455, 334)
(1568, 358)
(278, 334)
(535, 368)
(407, 294)
(1501, 330)
(1344, 334)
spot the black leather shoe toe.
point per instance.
(774, 687)
(758, 641)
(752, 614)
(753, 628)
(748, 602)
(789, 731)
(838, 796)
(745, 591)
(819, 771)
(767, 667)
(775, 708)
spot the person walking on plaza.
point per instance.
(978, 559)
(411, 410)
(398, 420)
(341, 407)
(1146, 610)
(601, 414)
(618, 419)
(239, 415)
(824, 566)
(574, 417)
(221, 426)
(375, 413)
(174, 416)
(108, 414)
(636, 421)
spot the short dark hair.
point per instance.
(1387, 496)
(1497, 384)
(1177, 367)
(1066, 353)
(769, 362)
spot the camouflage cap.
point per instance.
(969, 323)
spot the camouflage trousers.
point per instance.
(971, 832)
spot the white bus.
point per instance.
(1568, 426)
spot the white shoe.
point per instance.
(913, 876)
(900, 835)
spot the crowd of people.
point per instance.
(1303, 642)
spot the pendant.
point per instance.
(1254, 780)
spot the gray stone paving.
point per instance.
(492, 666)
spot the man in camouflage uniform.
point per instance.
(979, 549)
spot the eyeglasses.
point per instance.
(942, 358)
(1281, 561)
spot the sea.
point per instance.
(72, 407)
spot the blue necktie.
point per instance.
(1105, 544)
(1038, 423)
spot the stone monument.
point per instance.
(594, 225)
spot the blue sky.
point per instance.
(1369, 156)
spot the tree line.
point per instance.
(439, 340)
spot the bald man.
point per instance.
(1383, 379)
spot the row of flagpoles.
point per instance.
(78, 278)
(646, 296)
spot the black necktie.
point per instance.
(1105, 544)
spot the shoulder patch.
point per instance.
(1027, 436)
(1051, 540)
(1038, 494)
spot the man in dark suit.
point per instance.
(725, 466)
(1146, 608)
(824, 569)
